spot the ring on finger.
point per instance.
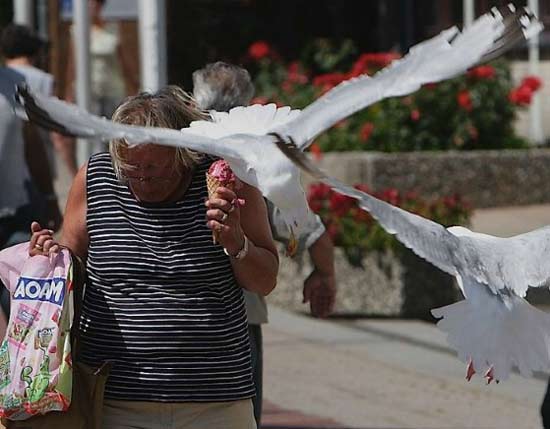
(224, 218)
(231, 208)
(38, 246)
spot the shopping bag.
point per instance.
(35, 354)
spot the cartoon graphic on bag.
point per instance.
(35, 355)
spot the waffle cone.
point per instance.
(212, 184)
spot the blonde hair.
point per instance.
(170, 107)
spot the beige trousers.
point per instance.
(182, 415)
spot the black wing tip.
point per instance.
(36, 114)
(299, 158)
(517, 22)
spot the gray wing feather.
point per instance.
(427, 239)
(68, 119)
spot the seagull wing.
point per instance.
(528, 256)
(252, 156)
(65, 118)
(442, 57)
(427, 239)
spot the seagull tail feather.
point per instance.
(502, 331)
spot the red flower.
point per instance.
(340, 204)
(411, 195)
(319, 191)
(366, 131)
(259, 50)
(315, 149)
(371, 61)
(482, 72)
(362, 187)
(333, 231)
(329, 80)
(532, 82)
(464, 100)
(391, 196)
(361, 216)
(259, 100)
(450, 202)
(287, 86)
(315, 205)
(415, 115)
(521, 96)
(294, 73)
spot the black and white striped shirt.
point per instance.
(161, 300)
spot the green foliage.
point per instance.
(473, 111)
(357, 233)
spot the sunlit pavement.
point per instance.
(373, 373)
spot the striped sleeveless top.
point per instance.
(161, 301)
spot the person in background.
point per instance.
(164, 303)
(220, 86)
(20, 48)
(110, 68)
(26, 190)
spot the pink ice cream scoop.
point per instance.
(221, 171)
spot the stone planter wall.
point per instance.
(404, 285)
(389, 284)
(484, 178)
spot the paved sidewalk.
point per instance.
(275, 417)
(384, 373)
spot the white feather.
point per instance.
(494, 325)
(240, 136)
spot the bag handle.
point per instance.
(79, 279)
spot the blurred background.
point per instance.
(471, 151)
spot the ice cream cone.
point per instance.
(212, 184)
(219, 174)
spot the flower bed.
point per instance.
(377, 275)
(473, 111)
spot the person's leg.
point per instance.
(132, 415)
(256, 347)
(545, 409)
(226, 415)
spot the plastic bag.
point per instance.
(35, 354)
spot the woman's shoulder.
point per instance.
(100, 163)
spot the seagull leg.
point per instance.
(489, 375)
(470, 371)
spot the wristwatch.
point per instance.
(241, 253)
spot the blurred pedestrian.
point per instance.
(111, 73)
(220, 86)
(164, 303)
(26, 190)
(21, 49)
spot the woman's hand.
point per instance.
(42, 241)
(224, 218)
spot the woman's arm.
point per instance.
(257, 271)
(75, 232)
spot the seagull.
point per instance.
(244, 136)
(494, 329)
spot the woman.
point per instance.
(163, 301)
